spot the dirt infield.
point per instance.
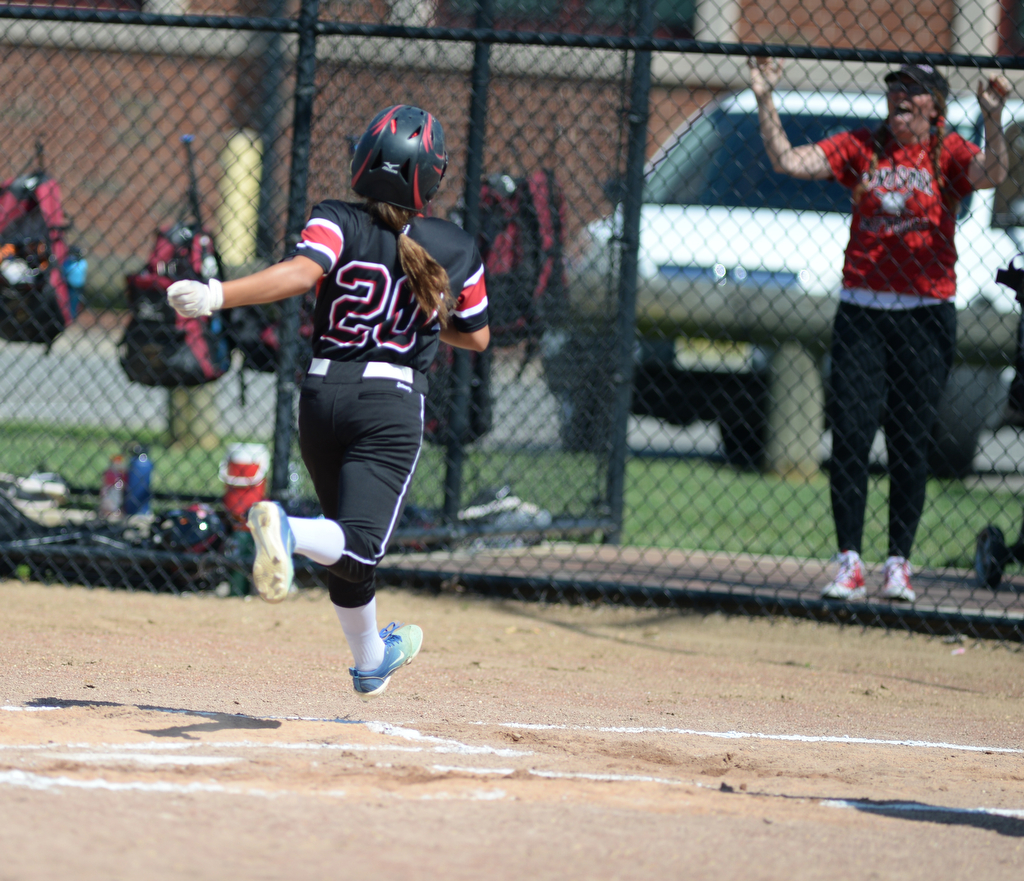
(167, 737)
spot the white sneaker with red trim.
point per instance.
(849, 581)
(897, 580)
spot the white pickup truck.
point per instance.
(718, 225)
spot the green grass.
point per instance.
(671, 503)
(80, 455)
(692, 503)
(566, 484)
(696, 504)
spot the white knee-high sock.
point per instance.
(321, 540)
(360, 626)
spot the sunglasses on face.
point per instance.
(911, 88)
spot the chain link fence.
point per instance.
(653, 421)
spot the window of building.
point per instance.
(129, 5)
(673, 18)
(1009, 207)
(1011, 27)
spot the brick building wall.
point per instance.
(110, 112)
(913, 25)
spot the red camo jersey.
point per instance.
(901, 235)
(365, 310)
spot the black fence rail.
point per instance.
(653, 422)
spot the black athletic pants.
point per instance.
(360, 441)
(888, 366)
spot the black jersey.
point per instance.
(365, 310)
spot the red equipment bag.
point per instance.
(522, 223)
(159, 347)
(35, 303)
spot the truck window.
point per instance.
(1009, 202)
(720, 160)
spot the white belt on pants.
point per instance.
(372, 370)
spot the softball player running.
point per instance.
(390, 284)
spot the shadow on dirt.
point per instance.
(221, 722)
(218, 721)
(976, 818)
(645, 621)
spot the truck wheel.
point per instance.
(970, 402)
(953, 449)
(743, 420)
(579, 373)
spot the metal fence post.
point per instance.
(268, 128)
(625, 325)
(462, 364)
(305, 86)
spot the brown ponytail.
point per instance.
(427, 278)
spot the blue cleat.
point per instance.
(401, 645)
(272, 570)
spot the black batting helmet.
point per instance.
(194, 529)
(400, 159)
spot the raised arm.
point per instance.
(989, 169)
(807, 161)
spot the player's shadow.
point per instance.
(218, 721)
(974, 817)
(620, 637)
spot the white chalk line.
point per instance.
(42, 783)
(28, 709)
(138, 758)
(448, 745)
(475, 795)
(442, 744)
(458, 769)
(460, 749)
(206, 714)
(142, 754)
(559, 775)
(387, 728)
(438, 744)
(531, 726)
(752, 735)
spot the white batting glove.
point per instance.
(193, 299)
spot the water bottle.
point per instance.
(75, 269)
(140, 470)
(112, 489)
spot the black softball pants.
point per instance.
(891, 367)
(360, 440)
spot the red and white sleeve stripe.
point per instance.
(473, 298)
(324, 237)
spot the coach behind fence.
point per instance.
(895, 329)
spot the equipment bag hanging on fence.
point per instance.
(35, 304)
(520, 241)
(521, 238)
(160, 348)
